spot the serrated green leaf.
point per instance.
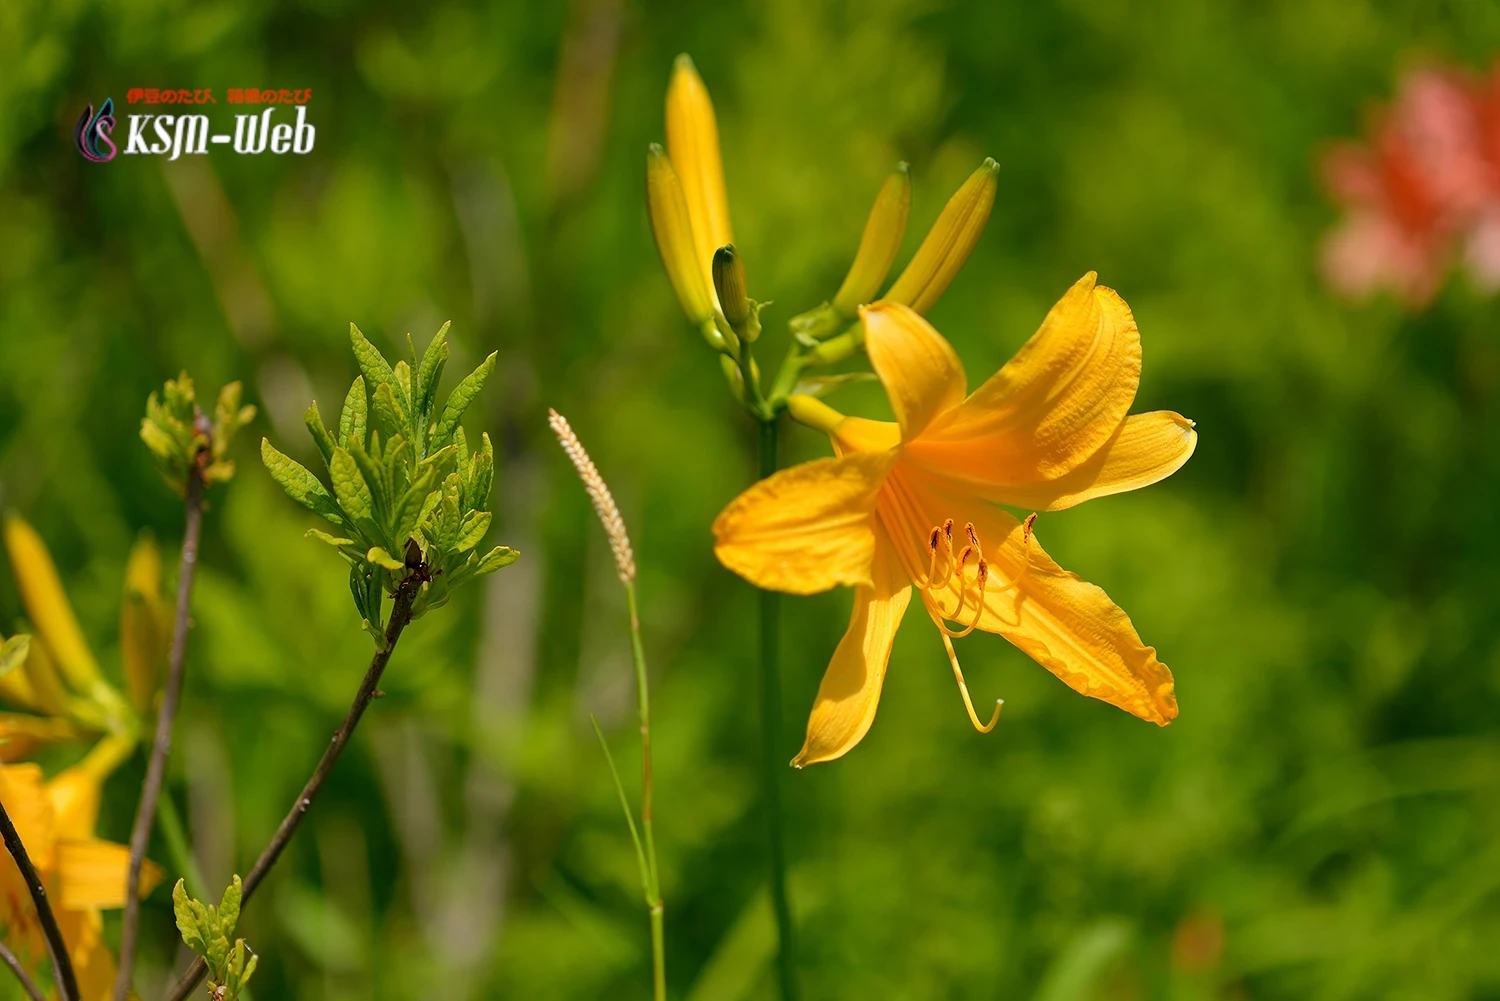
(353, 493)
(475, 524)
(403, 382)
(441, 461)
(314, 421)
(371, 362)
(218, 953)
(353, 418)
(500, 556)
(458, 401)
(389, 415)
(395, 466)
(411, 511)
(481, 475)
(430, 372)
(229, 907)
(13, 653)
(187, 920)
(374, 476)
(299, 484)
(449, 515)
(461, 447)
(202, 919)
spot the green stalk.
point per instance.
(653, 884)
(771, 761)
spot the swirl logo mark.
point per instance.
(92, 133)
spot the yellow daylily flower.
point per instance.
(913, 504)
(83, 874)
(60, 679)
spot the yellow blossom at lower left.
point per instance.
(83, 874)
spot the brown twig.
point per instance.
(27, 984)
(140, 834)
(400, 618)
(62, 965)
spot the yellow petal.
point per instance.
(21, 734)
(879, 244)
(25, 799)
(92, 874)
(143, 622)
(1146, 449)
(1064, 623)
(850, 691)
(666, 207)
(693, 145)
(1053, 405)
(93, 963)
(74, 794)
(805, 529)
(47, 605)
(949, 242)
(921, 372)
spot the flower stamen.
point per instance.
(963, 690)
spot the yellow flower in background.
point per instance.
(913, 503)
(83, 874)
(688, 206)
(60, 684)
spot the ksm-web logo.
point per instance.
(173, 135)
(92, 133)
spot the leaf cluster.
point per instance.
(182, 438)
(406, 493)
(207, 930)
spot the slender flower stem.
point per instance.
(156, 767)
(27, 984)
(62, 965)
(400, 618)
(771, 751)
(653, 879)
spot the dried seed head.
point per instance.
(598, 491)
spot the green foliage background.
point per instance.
(1321, 576)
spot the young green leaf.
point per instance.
(458, 401)
(352, 420)
(371, 362)
(299, 484)
(353, 493)
(314, 421)
(390, 416)
(430, 372)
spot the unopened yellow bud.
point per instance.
(674, 236)
(949, 242)
(729, 284)
(877, 248)
(693, 144)
(46, 604)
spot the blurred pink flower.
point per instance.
(1424, 188)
